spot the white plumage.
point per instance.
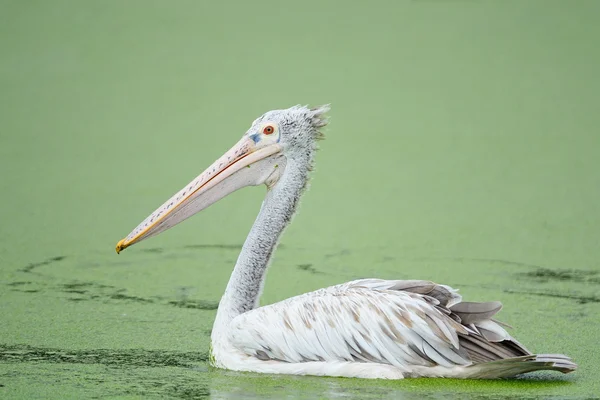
(369, 328)
(373, 328)
(364, 321)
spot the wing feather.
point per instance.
(402, 323)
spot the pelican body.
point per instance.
(369, 328)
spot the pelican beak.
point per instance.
(250, 162)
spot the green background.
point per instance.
(463, 148)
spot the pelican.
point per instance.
(367, 328)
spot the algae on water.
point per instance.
(462, 148)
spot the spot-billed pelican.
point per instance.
(368, 328)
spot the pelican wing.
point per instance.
(401, 323)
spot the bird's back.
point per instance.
(414, 326)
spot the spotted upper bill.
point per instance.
(224, 176)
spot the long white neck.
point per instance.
(246, 282)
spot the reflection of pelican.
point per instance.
(370, 328)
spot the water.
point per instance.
(463, 148)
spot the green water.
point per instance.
(463, 148)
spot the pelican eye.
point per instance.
(269, 129)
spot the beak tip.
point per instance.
(121, 246)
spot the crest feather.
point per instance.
(319, 119)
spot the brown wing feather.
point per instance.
(479, 335)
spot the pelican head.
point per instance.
(275, 140)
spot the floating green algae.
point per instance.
(463, 148)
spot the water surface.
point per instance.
(463, 148)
